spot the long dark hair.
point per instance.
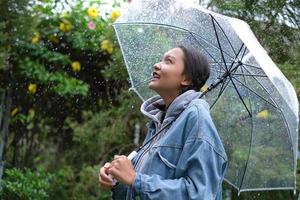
(196, 67)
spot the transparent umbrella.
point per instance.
(253, 105)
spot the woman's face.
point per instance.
(168, 74)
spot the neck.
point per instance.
(169, 97)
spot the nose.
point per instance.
(157, 66)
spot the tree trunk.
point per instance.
(5, 108)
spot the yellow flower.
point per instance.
(32, 88)
(65, 26)
(31, 112)
(92, 12)
(107, 46)
(115, 14)
(204, 88)
(53, 39)
(76, 66)
(14, 112)
(36, 38)
(263, 114)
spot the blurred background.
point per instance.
(66, 107)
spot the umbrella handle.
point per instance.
(130, 157)
(113, 179)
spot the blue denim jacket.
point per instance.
(186, 161)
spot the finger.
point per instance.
(116, 160)
(117, 156)
(106, 165)
(104, 176)
(114, 172)
(106, 183)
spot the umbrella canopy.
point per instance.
(253, 105)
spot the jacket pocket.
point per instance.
(164, 160)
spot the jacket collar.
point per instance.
(152, 108)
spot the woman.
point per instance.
(186, 160)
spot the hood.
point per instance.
(151, 107)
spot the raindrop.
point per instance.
(140, 30)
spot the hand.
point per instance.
(105, 181)
(121, 169)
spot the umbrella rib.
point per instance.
(220, 62)
(252, 66)
(241, 74)
(144, 81)
(251, 136)
(248, 64)
(174, 27)
(203, 47)
(237, 57)
(225, 36)
(255, 93)
(236, 89)
(238, 63)
(280, 111)
(272, 101)
(223, 87)
(245, 49)
(218, 40)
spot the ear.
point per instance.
(185, 81)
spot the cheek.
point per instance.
(172, 78)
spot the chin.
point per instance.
(152, 86)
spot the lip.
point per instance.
(155, 75)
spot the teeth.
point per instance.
(155, 75)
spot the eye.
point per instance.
(168, 60)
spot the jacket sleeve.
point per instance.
(120, 190)
(203, 170)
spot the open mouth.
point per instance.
(155, 75)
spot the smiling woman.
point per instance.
(182, 156)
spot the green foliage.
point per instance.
(267, 15)
(59, 82)
(106, 132)
(291, 68)
(35, 184)
(78, 112)
(87, 187)
(26, 184)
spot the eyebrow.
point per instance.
(170, 56)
